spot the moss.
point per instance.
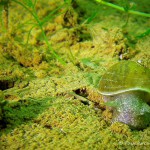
(23, 56)
(68, 17)
(121, 128)
(53, 86)
(67, 123)
(22, 111)
(43, 112)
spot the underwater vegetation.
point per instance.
(124, 9)
(69, 77)
(29, 5)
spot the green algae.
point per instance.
(21, 112)
(75, 125)
(46, 107)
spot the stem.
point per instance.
(46, 39)
(122, 9)
(34, 14)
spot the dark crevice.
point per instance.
(85, 102)
(82, 92)
(48, 127)
(6, 84)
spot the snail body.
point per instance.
(126, 89)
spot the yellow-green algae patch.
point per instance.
(58, 107)
(67, 124)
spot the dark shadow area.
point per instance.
(6, 84)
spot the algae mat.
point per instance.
(48, 82)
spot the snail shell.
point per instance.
(126, 88)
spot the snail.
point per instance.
(125, 87)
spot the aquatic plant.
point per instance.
(123, 9)
(128, 10)
(30, 7)
(126, 88)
